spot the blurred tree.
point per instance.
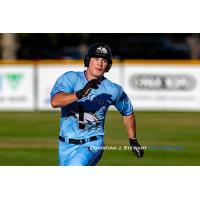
(9, 46)
(194, 43)
(36, 46)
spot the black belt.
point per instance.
(77, 141)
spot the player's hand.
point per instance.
(93, 84)
(136, 148)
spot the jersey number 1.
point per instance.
(81, 123)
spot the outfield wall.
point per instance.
(151, 85)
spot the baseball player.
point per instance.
(84, 98)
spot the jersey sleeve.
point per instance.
(123, 103)
(64, 83)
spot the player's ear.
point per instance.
(86, 61)
(108, 67)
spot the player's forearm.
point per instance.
(63, 99)
(129, 122)
(130, 125)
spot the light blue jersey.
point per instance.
(86, 117)
(92, 107)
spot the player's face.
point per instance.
(97, 66)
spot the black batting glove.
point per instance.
(136, 148)
(87, 88)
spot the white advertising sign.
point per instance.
(16, 87)
(47, 76)
(115, 74)
(163, 87)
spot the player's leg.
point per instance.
(66, 152)
(96, 159)
(84, 157)
(87, 154)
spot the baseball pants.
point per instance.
(87, 154)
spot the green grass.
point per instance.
(171, 139)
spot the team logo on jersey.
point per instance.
(87, 120)
(99, 101)
(101, 50)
